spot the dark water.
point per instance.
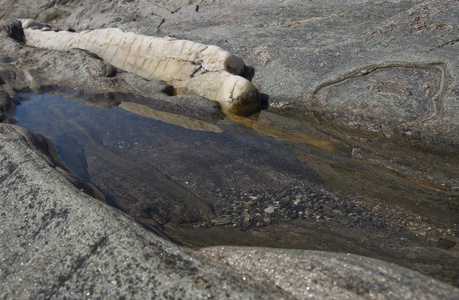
(35, 112)
(371, 195)
(133, 153)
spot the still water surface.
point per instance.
(205, 183)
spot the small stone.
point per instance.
(328, 205)
(221, 221)
(267, 220)
(246, 223)
(269, 210)
(292, 215)
(246, 214)
(446, 244)
(337, 211)
(435, 239)
(249, 204)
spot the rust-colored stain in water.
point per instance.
(280, 132)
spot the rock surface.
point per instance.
(321, 275)
(393, 64)
(56, 241)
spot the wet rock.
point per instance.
(221, 221)
(246, 223)
(269, 210)
(13, 29)
(337, 211)
(5, 103)
(249, 204)
(446, 243)
(292, 215)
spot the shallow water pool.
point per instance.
(261, 181)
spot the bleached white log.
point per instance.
(190, 67)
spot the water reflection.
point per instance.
(178, 120)
(266, 125)
(144, 158)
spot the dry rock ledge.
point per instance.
(58, 242)
(190, 67)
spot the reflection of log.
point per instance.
(179, 120)
(190, 67)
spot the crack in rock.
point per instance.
(80, 263)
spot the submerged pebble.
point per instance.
(221, 221)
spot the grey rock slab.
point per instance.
(306, 53)
(326, 275)
(5, 103)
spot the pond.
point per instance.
(263, 181)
